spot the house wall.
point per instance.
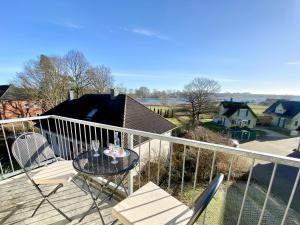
(295, 122)
(19, 109)
(242, 115)
(289, 124)
(154, 149)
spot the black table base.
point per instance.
(94, 205)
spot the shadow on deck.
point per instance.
(18, 199)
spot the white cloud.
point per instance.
(149, 33)
(67, 24)
(146, 32)
(293, 63)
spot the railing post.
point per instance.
(130, 174)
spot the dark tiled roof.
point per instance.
(109, 111)
(232, 107)
(3, 89)
(139, 117)
(122, 111)
(292, 108)
(10, 92)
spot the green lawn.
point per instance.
(225, 206)
(175, 121)
(260, 133)
(258, 109)
(213, 126)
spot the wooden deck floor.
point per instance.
(18, 199)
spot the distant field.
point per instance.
(258, 109)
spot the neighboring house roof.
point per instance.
(121, 110)
(292, 108)
(232, 107)
(10, 92)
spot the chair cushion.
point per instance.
(56, 173)
(151, 205)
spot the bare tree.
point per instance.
(199, 93)
(77, 67)
(100, 78)
(45, 79)
(142, 92)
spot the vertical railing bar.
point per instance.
(57, 137)
(229, 172)
(8, 151)
(90, 137)
(246, 191)
(42, 132)
(107, 137)
(61, 140)
(85, 140)
(35, 146)
(101, 137)
(79, 130)
(63, 126)
(68, 139)
(27, 146)
(139, 161)
(158, 165)
(212, 167)
(268, 193)
(76, 138)
(72, 139)
(183, 169)
(291, 197)
(170, 166)
(1, 168)
(149, 160)
(49, 130)
(41, 128)
(196, 174)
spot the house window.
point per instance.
(247, 112)
(238, 113)
(249, 121)
(296, 123)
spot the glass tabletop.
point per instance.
(90, 164)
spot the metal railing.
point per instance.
(68, 137)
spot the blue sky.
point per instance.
(248, 46)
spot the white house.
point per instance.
(285, 114)
(116, 110)
(235, 114)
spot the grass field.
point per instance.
(258, 109)
(225, 206)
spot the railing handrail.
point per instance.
(289, 161)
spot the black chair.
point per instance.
(152, 205)
(204, 199)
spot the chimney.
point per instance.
(71, 94)
(113, 93)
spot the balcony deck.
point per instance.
(18, 199)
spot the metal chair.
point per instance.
(152, 205)
(31, 150)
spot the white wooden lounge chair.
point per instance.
(150, 205)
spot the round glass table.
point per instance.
(88, 164)
(101, 165)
